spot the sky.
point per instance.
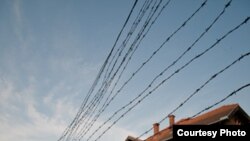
(52, 50)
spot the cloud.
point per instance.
(17, 11)
(40, 127)
(18, 20)
(24, 112)
(6, 88)
(21, 28)
(22, 120)
(40, 83)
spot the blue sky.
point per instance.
(52, 50)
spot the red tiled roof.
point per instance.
(212, 116)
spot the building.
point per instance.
(231, 114)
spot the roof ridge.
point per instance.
(229, 108)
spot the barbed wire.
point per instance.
(96, 100)
(101, 92)
(180, 27)
(198, 90)
(153, 11)
(106, 103)
(119, 51)
(162, 82)
(81, 124)
(98, 76)
(140, 11)
(222, 100)
(154, 53)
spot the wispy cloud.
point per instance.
(6, 89)
(40, 127)
(18, 20)
(24, 109)
(25, 122)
